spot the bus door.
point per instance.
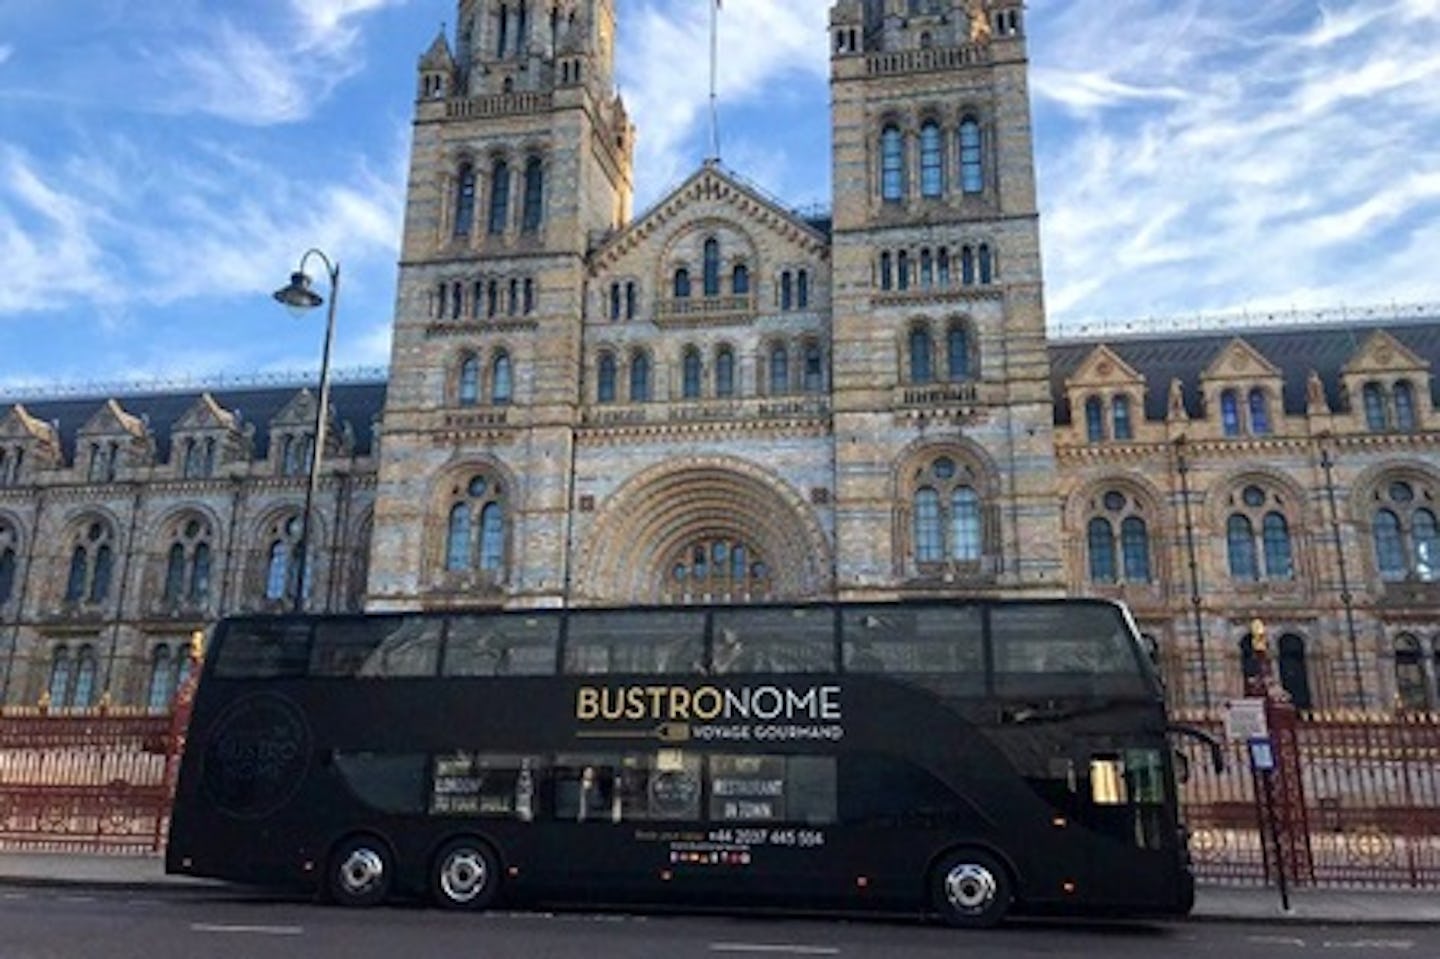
(1126, 806)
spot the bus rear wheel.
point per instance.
(467, 875)
(360, 872)
(971, 890)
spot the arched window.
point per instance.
(79, 570)
(83, 695)
(162, 679)
(492, 298)
(1240, 545)
(942, 267)
(682, 283)
(712, 267)
(1279, 560)
(1230, 413)
(630, 299)
(61, 671)
(7, 573)
(966, 541)
(967, 266)
(1389, 547)
(1412, 689)
(469, 381)
(802, 289)
(605, 379)
(887, 275)
(779, 370)
(1294, 674)
(1249, 661)
(948, 519)
(1405, 407)
(639, 377)
(465, 202)
(787, 291)
(957, 353)
(740, 280)
(922, 367)
(100, 578)
(174, 575)
(1094, 420)
(200, 574)
(1259, 413)
(987, 265)
(814, 369)
(927, 268)
(1135, 547)
(972, 167)
(457, 299)
(477, 508)
(690, 378)
(457, 539)
(534, 195)
(492, 537)
(892, 165)
(277, 573)
(502, 39)
(1120, 409)
(1101, 537)
(902, 270)
(932, 165)
(724, 372)
(614, 302)
(499, 197)
(1374, 397)
(1407, 533)
(502, 387)
(929, 544)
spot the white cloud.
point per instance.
(47, 240)
(6, 52)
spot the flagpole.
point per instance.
(714, 72)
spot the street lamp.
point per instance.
(298, 297)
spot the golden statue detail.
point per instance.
(980, 31)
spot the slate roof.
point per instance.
(358, 404)
(1295, 350)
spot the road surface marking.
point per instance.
(248, 930)
(1397, 944)
(77, 898)
(774, 949)
(1276, 941)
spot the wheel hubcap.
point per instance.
(463, 875)
(362, 871)
(970, 887)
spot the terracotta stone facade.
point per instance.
(724, 400)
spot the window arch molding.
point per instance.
(465, 374)
(1396, 511)
(961, 343)
(964, 532)
(686, 250)
(12, 558)
(88, 564)
(473, 485)
(1118, 499)
(190, 527)
(1278, 550)
(274, 562)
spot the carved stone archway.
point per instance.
(661, 516)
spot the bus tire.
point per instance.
(971, 889)
(360, 873)
(466, 875)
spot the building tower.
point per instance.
(521, 155)
(945, 463)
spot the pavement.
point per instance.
(1216, 903)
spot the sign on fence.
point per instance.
(1245, 720)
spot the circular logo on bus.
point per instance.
(256, 757)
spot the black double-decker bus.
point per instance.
(964, 758)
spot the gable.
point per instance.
(112, 420)
(710, 198)
(1103, 367)
(1238, 360)
(19, 424)
(298, 411)
(205, 414)
(1383, 353)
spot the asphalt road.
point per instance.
(79, 923)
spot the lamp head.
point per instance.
(298, 297)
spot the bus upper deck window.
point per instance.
(268, 649)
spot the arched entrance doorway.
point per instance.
(717, 531)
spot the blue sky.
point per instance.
(163, 163)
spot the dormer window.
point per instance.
(1095, 420)
(1259, 413)
(1120, 409)
(712, 267)
(1230, 413)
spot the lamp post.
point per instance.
(298, 297)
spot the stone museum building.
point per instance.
(721, 400)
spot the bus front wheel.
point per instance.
(971, 889)
(360, 872)
(467, 875)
